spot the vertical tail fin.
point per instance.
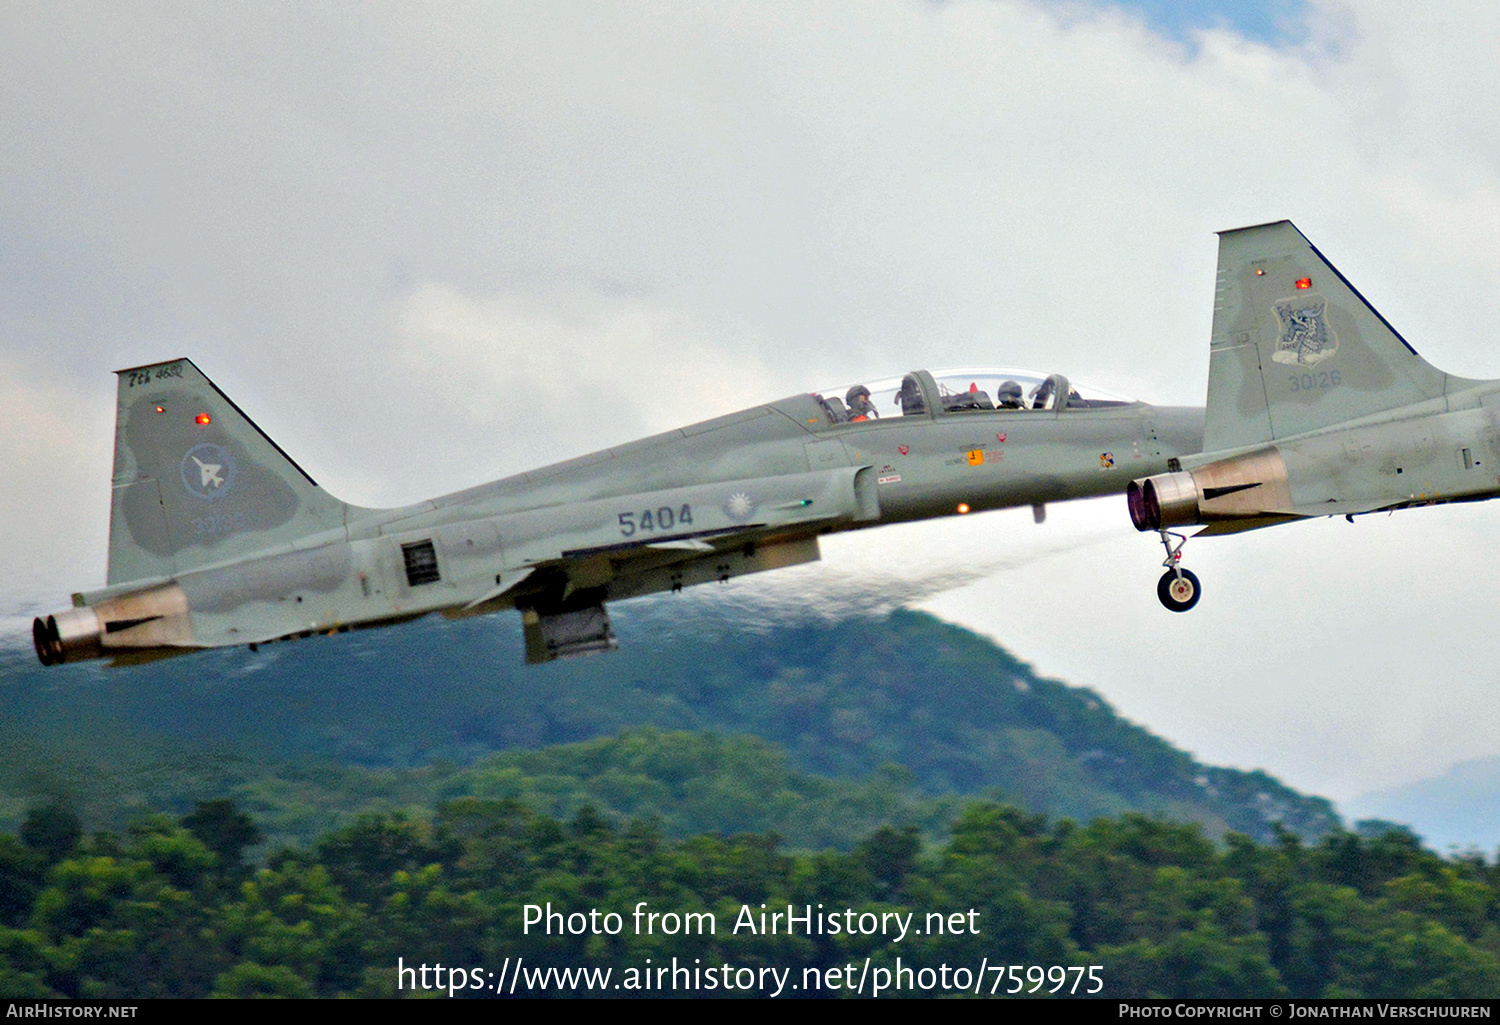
(1296, 347)
(196, 482)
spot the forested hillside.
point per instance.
(1120, 907)
(315, 730)
(312, 818)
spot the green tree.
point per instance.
(223, 829)
(52, 830)
(249, 979)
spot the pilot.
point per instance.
(860, 406)
(1008, 396)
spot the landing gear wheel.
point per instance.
(1178, 593)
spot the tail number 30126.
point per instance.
(1313, 382)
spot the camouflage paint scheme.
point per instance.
(1316, 407)
(218, 538)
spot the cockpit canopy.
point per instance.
(961, 391)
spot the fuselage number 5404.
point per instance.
(664, 518)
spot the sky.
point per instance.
(1265, 21)
(427, 246)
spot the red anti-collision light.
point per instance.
(203, 419)
(1304, 282)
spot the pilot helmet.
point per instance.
(1009, 392)
(859, 391)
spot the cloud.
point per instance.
(55, 537)
(423, 250)
(575, 373)
(1342, 657)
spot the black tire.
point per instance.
(1178, 594)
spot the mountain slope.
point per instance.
(843, 698)
(1460, 808)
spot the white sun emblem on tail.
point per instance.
(739, 507)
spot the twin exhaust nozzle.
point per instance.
(128, 624)
(72, 635)
(1249, 487)
(1166, 500)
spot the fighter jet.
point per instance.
(1316, 407)
(218, 538)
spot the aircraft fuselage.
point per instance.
(738, 494)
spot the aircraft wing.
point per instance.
(660, 540)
